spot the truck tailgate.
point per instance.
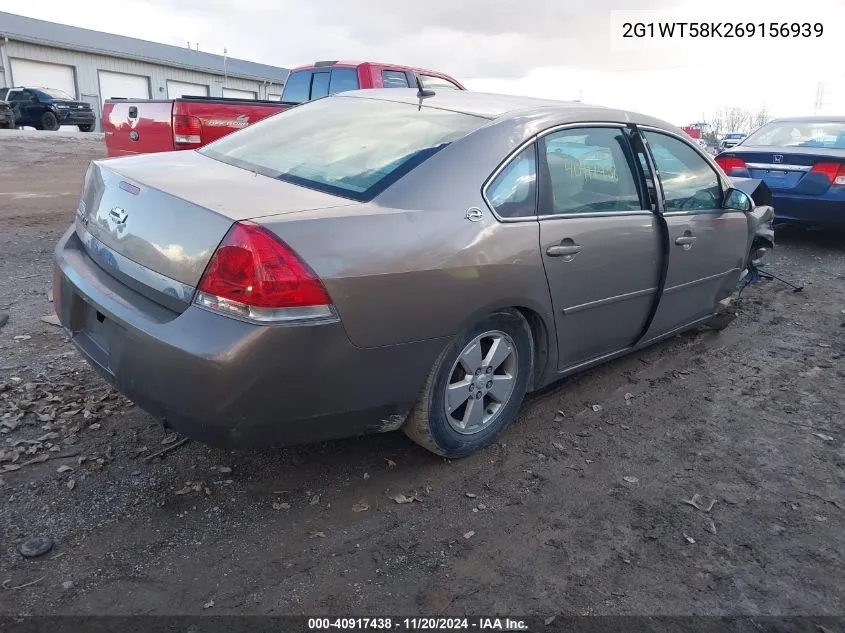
(138, 127)
(215, 118)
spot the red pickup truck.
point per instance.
(142, 126)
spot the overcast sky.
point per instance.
(566, 49)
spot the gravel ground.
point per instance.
(578, 509)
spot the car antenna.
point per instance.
(422, 93)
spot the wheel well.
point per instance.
(540, 336)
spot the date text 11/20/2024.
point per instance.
(417, 624)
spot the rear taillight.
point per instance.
(834, 172)
(187, 131)
(729, 163)
(256, 276)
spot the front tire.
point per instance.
(476, 387)
(49, 121)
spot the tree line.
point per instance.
(735, 120)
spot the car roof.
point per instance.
(497, 106)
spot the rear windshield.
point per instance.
(305, 85)
(820, 134)
(345, 146)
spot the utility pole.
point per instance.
(819, 97)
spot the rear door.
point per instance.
(706, 243)
(30, 108)
(17, 101)
(599, 239)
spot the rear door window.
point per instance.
(298, 87)
(589, 171)
(343, 79)
(320, 85)
(394, 79)
(513, 192)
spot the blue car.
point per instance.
(802, 161)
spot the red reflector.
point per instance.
(254, 268)
(187, 130)
(729, 163)
(832, 171)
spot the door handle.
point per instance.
(563, 250)
(685, 240)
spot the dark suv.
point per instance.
(48, 108)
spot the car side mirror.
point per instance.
(737, 200)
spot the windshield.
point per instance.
(822, 134)
(55, 93)
(349, 147)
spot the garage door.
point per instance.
(43, 75)
(273, 97)
(231, 93)
(176, 89)
(122, 85)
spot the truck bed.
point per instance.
(143, 126)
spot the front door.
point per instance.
(706, 243)
(18, 101)
(600, 242)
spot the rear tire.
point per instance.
(86, 128)
(49, 121)
(502, 341)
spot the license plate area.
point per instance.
(96, 326)
(93, 331)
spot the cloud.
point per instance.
(546, 48)
(467, 38)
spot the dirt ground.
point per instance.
(579, 509)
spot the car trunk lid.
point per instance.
(154, 221)
(800, 170)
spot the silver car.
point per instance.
(731, 139)
(390, 259)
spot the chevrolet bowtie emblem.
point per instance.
(118, 215)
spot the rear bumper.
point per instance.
(808, 209)
(227, 382)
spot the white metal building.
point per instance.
(93, 66)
